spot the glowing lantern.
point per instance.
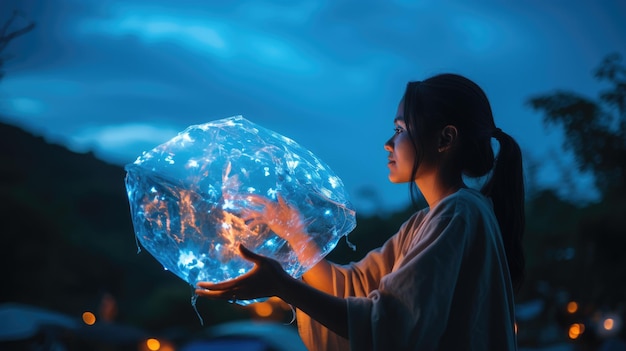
(188, 197)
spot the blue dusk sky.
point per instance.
(120, 77)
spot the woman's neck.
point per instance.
(435, 187)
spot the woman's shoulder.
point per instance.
(465, 200)
(417, 217)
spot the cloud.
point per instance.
(221, 37)
(24, 106)
(122, 142)
(121, 77)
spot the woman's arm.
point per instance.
(329, 310)
(268, 278)
(287, 222)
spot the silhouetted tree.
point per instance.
(595, 130)
(7, 34)
(583, 245)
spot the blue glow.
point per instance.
(191, 218)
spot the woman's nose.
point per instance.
(389, 145)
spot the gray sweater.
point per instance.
(440, 283)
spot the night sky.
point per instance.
(120, 77)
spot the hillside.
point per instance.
(69, 242)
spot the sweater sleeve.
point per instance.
(448, 287)
(360, 278)
(355, 279)
(410, 308)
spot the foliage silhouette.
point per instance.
(595, 131)
(583, 244)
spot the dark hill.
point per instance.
(68, 239)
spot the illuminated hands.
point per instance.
(284, 220)
(264, 280)
(279, 216)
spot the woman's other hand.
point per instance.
(281, 218)
(264, 280)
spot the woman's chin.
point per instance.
(394, 179)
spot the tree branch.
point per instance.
(5, 38)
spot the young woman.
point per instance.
(446, 279)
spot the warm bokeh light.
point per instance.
(515, 327)
(263, 309)
(572, 307)
(108, 308)
(153, 344)
(608, 324)
(89, 318)
(575, 330)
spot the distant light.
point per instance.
(609, 324)
(153, 344)
(572, 307)
(515, 327)
(89, 318)
(263, 309)
(575, 330)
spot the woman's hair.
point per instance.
(451, 99)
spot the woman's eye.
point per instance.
(397, 130)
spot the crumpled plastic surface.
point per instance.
(188, 194)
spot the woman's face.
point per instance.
(401, 153)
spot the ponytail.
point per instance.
(506, 189)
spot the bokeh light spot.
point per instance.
(153, 344)
(572, 307)
(575, 330)
(89, 318)
(263, 309)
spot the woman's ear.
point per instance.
(448, 138)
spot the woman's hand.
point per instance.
(267, 279)
(281, 218)
(264, 280)
(285, 221)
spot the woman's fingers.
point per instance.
(249, 255)
(281, 201)
(257, 200)
(218, 294)
(217, 286)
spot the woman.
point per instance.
(446, 279)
